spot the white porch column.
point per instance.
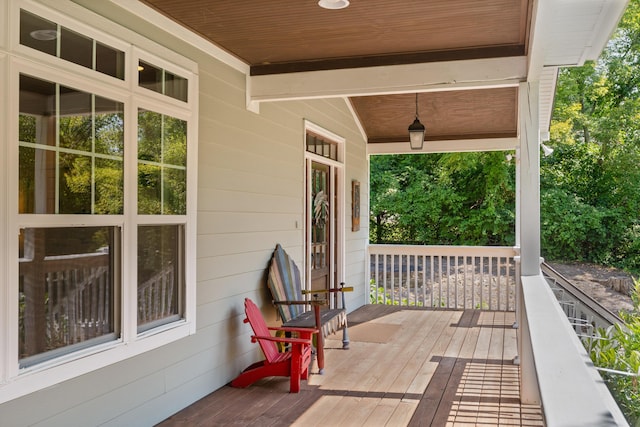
(529, 194)
(528, 218)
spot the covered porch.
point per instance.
(406, 366)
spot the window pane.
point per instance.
(160, 275)
(174, 144)
(75, 184)
(109, 61)
(27, 128)
(37, 111)
(42, 35)
(175, 86)
(150, 77)
(149, 189)
(36, 187)
(109, 184)
(38, 33)
(175, 192)
(75, 119)
(68, 295)
(162, 158)
(109, 126)
(76, 48)
(86, 165)
(149, 136)
(162, 81)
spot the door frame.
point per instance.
(337, 233)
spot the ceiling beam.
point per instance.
(435, 76)
(389, 59)
(451, 146)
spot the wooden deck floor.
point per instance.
(406, 367)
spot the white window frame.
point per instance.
(337, 231)
(15, 60)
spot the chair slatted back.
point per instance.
(285, 284)
(259, 326)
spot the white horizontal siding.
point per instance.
(251, 196)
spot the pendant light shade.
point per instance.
(416, 131)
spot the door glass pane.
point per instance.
(160, 275)
(67, 290)
(320, 205)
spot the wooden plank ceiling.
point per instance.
(276, 37)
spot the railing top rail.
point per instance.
(572, 392)
(433, 250)
(605, 314)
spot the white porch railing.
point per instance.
(457, 277)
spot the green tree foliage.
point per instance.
(453, 199)
(590, 186)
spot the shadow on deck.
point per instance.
(406, 367)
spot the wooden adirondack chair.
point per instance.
(293, 363)
(286, 289)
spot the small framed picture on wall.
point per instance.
(355, 205)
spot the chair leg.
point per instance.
(296, 370)
(345, 338)
(320, 340)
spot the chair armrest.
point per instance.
(303, 341)
(290, 329)
(330, 290)
(290, 302)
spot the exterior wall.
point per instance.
(250, 197)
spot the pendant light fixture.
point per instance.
(416, 131)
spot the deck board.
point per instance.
(438, 368)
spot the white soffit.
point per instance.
(548, 79)
(580, 29)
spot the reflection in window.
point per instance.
(160, 275)
(71, 150)
(162, 81)
(162, 159)
(67, 290)
(43, 35)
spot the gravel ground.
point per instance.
(597, 282)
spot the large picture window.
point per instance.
(100, 171)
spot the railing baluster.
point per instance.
(406, 274)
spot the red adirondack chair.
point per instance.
(293, 363)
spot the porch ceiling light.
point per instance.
(333, 4)
(416, 131)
